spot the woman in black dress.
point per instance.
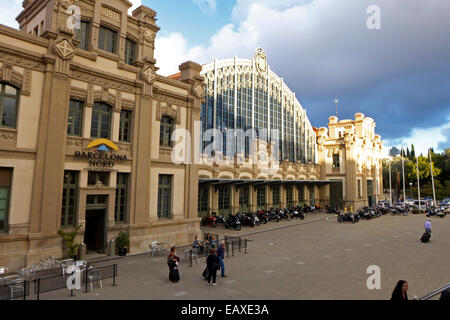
(213, 265)
(172, 261)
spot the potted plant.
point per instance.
(123, 243)
(69, 241)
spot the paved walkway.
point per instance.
(312, 259)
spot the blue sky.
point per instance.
(399, 74)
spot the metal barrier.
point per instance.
(231, 243)
(436, 292)
(14, 290)
(58, 282)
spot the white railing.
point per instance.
(435, 292)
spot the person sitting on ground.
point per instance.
(400, 291)
(198, 244)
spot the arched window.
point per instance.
(101, 121)
(9, 99)
(166, 130)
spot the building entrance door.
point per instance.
(336, 197)
(370, 193)
(95, 234)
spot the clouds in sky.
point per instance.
(136, 3)
(398, 75)
(207, 6)
(10, 10)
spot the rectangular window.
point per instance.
(98, 178)
(164, 196)
(301, 195)
(107, 40)
(130, 51)
(244, 197)
(261, 196)
(203, 199)
(101, 121)
(276, 196)
(82, 35)
(289, 196)
(336, 161)
(75, 118)
(125, 125)
(5, 193)
(69, 200)
(120, 213)
(224, 198)
(9, 100)
(166, 129)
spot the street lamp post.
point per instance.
(403, 170)
(390, 182)
(410, 189)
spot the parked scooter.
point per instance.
(274, 215)
(233, 221)
(262, 216)
(297, 213)
(331, 210)
(347, 217)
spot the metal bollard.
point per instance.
(245, 246)
(232, 248)
(190, 258)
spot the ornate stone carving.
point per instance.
(64, 4)
(148, 36)
(261, 61)
(64, 49)
(101, 81)
(198, 90)
(149, 75)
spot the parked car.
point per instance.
(421, 207)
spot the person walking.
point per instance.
(400, 292)
(213, 265)
(172, 261)
(428, 226)
(221, 255)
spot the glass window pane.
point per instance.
(9, 112)
(10, 90)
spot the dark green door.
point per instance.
(370, 195)
(336, 195)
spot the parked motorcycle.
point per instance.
(274, 215)
(263, 216)
(436, 213)
(331, 210)
(297, 213)
(233, 221)
(209, 221)
(347, 217)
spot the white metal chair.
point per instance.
(154, 248)
(95, 276)
(17, 287)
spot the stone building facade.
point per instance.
(85, 132)
(350, 153)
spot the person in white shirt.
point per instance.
(428, 226)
